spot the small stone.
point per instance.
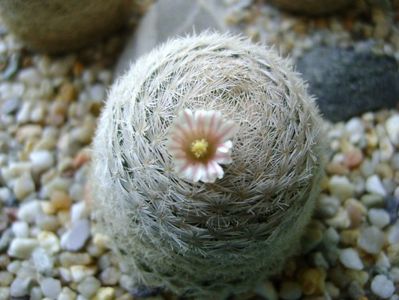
(22, 247)
(371, 200)
(374, 185)
(393, 234)
(332, 290)
(341, 220)
(97, 92)
(392, 127)
(349, 257)
(20, 287)
(41, 160)
(78, 211)
(266, 290)
(24, 186)
(313, 281)
(36, 293)
(5, 278)
(20, 229)
(78, 273)
(327, 206)
(353, 158)
(68, 259)
(378, 217)
(28, 211)
(89, 286)
(356, 211)
(67, 294)
(349, 237)
(51, 287)
(67, 92)
(75, 238)
(110, 276)
(371, 240)
(4, 293)
(49, 241)
(290, 290)
(341, 187)
(60, 200)
(382, 286)
(383, 262)
(43, 262)
(105, 293)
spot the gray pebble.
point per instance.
(51, 287)
(89, 286)
(42, 260)
(20, 287)
(371, 240)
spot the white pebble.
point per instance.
(75, 238)
(5, 194)
(78, 273)
(78, 211)
(20, 229)
(355, 128)
(341, 187)
(4, 293)
(382, 286)
(49, 241)
(30, 76)
(394, 274)
(349, 257)
(97, 92)
(89, 286)
(67, 294)
(36, 293)
(393, 234)
(51, 287)
(24, 186)
(378, 217)
(371, 240)
(392, 127)
(42, 260)
(374, 185)
(20, 287)
(29, 211)
(383, 261)
(22, 247)
(41, 160)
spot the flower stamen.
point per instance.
(199, 148)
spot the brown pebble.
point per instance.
(77, 69)
(313, 281)
(67, 92)
(353, 158)
(57, 113)
(349, 237)
(60, 200)
(81, 158)
(356, 212)
(336, 169)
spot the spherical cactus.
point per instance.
(59, 25)
(206, 165)
(312, 7)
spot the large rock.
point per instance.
(348, 83)
(169, 18)
(311, 7)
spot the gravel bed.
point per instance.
(49, 247)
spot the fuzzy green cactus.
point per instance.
(312, 7)
(59, 25)
(227, 230)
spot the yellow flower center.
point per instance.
(199, 148)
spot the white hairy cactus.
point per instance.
(235, 227)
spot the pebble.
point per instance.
(20, 229)
(382, 286)
(341, 187)
(392, 127)
(49, 241)
(68, 259)
(313, 281)
(36, 294)
(89, 286)
(266, 290)
(42, 261)
(75, 238)
(378, 217)
(22, 247)
(41, 160)
(371, 240)
(4, 293)
(29, 211)
(51, 287)
(78, 211)
(20, 287)
(79, 272)
(105, 293)
(393, 234)
(290, 290)
(375, 186)
(5, 278)
(110, 276)
(67, 294)
(24, 186)
(60, 200)
(341, 220)
(349, 257)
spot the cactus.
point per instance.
(58, 25)
(212, 238)
(312, 7)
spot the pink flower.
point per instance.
(199, 143)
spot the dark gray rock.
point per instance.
(348, 83)
(170, 18)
